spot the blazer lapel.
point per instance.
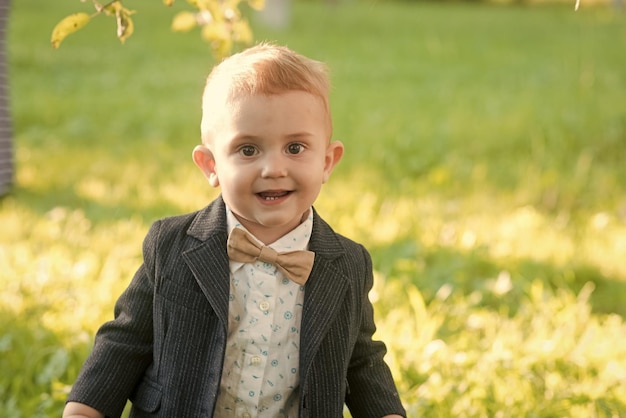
(208, 260)
(324, 290)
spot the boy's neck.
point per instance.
(269, 235)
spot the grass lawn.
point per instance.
(484, 170)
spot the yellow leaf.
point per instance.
(221, 48)
(168, 2)
(68, 25)
(125, 26)
(99, 7)
(231, 4)
(218, 35)
(257, 4)
(215, 32)
(111, 9)
(242, 32)
(184, 22)
(202, 4)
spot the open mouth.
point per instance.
(273, 195)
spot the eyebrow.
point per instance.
(299, 135)
(242, 137)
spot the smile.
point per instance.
(271, 196)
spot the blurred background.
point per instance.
(484, 170)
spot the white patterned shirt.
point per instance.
(260, 374)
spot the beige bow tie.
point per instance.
(295, 265)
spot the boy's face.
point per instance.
(270, 155)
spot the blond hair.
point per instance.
(265, 69)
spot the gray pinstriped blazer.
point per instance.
(165, 348)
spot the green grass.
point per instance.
(484, 170)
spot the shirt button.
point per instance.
(255, 361)
(246, 415)
(264, 306)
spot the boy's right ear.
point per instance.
(205, 161)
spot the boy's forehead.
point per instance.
(292, 101)
(222, 105)
(244, 99)
(248, 112)
(238, 104)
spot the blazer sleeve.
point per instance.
(123, 347)
(371, 389)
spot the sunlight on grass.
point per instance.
(52, 255)
(551, 358)
(481, 220)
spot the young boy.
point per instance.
(220, 321)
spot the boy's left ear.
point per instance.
(205, 161)
(334, 152)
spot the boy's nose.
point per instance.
(274, 166)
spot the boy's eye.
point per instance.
(295, 148)
(247, 150)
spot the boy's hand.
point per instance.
(79, 410)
